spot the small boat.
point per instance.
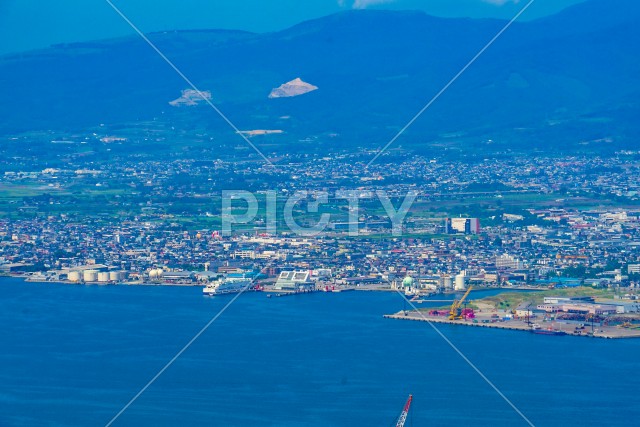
(547, 332)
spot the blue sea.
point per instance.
(75, 355)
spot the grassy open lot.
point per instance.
(510, 300)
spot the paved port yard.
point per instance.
(568, 327)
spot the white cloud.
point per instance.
(501, 2)
(363, 4)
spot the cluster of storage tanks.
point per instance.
(156, 273)
(457, 283)
(77, 276)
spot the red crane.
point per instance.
(403, 416)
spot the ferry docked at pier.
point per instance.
(548, 332)
(228, 285)
(536, 329)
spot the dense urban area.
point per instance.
(514, 218)
(506, 220)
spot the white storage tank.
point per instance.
(103, 276)
(90, 275)
(155, 273)
(115, 276)
(74, 276)
(461, 282)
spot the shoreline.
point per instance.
(340, 288)
(604, 332)
(30, 279)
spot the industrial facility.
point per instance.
(294, 281)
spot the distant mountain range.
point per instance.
(569, 78)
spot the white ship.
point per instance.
(227, 285)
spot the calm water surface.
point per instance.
(74, 356)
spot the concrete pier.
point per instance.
(609, 332)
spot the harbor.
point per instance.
(264, 342)
(546, 328)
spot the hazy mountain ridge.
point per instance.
(376, 70)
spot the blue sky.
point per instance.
(32, 24)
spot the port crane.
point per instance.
(402, 419)
(456, 311)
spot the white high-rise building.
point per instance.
(509, 261)
(463, 225)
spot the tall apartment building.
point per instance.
(463, 225)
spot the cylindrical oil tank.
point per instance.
(74, 276)
(90, 275)
(461, 282)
